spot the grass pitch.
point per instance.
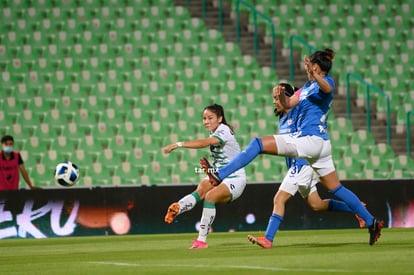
(294, 252)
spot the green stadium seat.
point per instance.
(246, 61)
(345, 128)
(362, 137)
(401, 167)
(384, 151)
(378, 165)
(266, 74)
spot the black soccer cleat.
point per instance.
(375, 231)
(211, 172)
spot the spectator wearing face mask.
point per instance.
(11, 163)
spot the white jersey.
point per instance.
(226, 150)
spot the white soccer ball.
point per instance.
(66, 174)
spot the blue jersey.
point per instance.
(287, 125)
(314, 108)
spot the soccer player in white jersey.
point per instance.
(223, 148)
(311, 141)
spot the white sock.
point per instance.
(187, 203)
(207, 218)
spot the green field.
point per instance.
(295, 252)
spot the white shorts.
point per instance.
(235, 185)
(305, 181)
(314, 149)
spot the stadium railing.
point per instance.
(408, 125)
(220, 16)
(266, 19)
(368, 88)
(204, 11)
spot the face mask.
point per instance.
(7, 149)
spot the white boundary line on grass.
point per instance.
(223, 267)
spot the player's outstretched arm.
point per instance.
(286, 101)
(193, 144)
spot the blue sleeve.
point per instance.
(289, 162)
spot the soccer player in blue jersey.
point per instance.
(310, 141)
(299, 178)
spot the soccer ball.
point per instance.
(66, 173)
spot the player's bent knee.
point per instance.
(218, 195)
(281, 198)
(317, 206)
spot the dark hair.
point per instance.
(289, 91)
(323, 59)
(6, 138)
(219, 111)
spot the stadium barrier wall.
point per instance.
(140, 210)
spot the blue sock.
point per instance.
(338, 206)
(354, 203)
(273, 226)
(254, 148)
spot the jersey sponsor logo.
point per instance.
(284, 131)
(295, 134)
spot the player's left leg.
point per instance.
(352, 201)
(327, 174)
(230, 190)
(316, 203)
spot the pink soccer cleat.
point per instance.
(198, 245)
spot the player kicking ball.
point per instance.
(223, 148)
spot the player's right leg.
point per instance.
(187, 202)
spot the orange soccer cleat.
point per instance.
(261, 241)
(172, 212)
